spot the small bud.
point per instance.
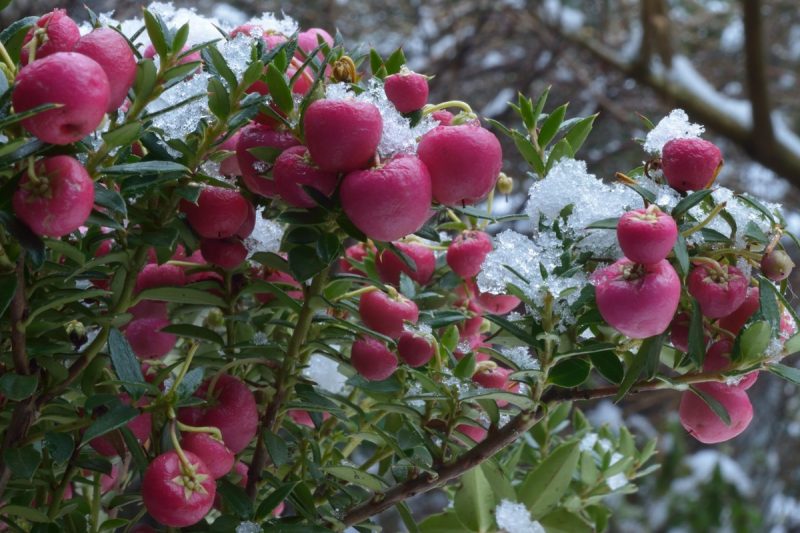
(777, 265)
(344, 70)
(77, 333)
(215, 318)
(505, 184)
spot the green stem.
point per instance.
(706, 221)
(430, 108)
(96, 494)
(184, 369)
(6, 58)
(211, 430)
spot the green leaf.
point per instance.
(277, 449)
(191, 382)
(465, 367)
(275, 498)
(358, 477)
(125, 363)
(540, 102)
(442, 523)
(72, 295)
(570, 372)
(395, 61)
(561, 150)
(32, 243)
(697, 335)
(789, 373)
(146, 77)
(279, 89)
(60, 446)
(649, 196)
(550, 125)
(25, 512)
(17, 387)
(768, 305)
(689, 202)
(329, 248)
(520, 400)
(182, 295)
(122, 135)
(474, 501)
(792, 346)
(529, 152)
(117, 417)
(145, 168)
(757, 205)
(219, 102)
(605, 223)
(235, 499)
(8, 287)
(191, 331)
(500, 483)
(18, 117)
(578, 132)
(23, 461)
(609, 365)
(544, 486)
(645, 360)
(110, 199)
(304, 263)
(158, 32)
(563, 521)
(179, 39)
(754, 341)
(714, 404)
(682, 254)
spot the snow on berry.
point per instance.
(676, 125)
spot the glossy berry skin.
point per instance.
(147, 340)
(719, 294)
(638, 300)
(415, 350)
(735, 321)
(234, 412)
(166, 496)
(498, 304)
(704, 425)
(62, 34)
(386, 314)
(166, 275)
(390, 201)
(466, 253)
(255, 171)
(495, 378)
(294, 168)
(342, 135)
(225, 253)
(217, 457)
(307, 40)
(777, 265)
(219, 213)
(372, 359)
(111, 51)
(646, 235)
(82, 90)
(407, 90)
(64, 206)
(464, 162)
(690, 164)
(718, 360)
(389, 265)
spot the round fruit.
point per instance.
(735, 321)
(147, 340)
(777, 265)
(294, 168)
(230, 165)
(342, 135)
(387, 314)
(61, 34)
(647, 235)
(407, 90)
(466, 253)
(719, 291)
(166, 275)
(464, 162)
(372, 359)
(308, 40)
(63, 203)
(217, 457)
(255, 138)
(82, 89)
(477, 434)
(357, 252)
(690, 164)
(638, 300)
(472, 325)
(219, 213)
(703, 424)
(176, 495)
(718, 360)
(389, 265)
(415, 350)
(225, 253)
(233, 411)
(112, 53)
(389, 201)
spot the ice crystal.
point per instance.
(191, 97)
(514, 518)
(270, 23)
(237, 53)
(676, 125)
(248, 527)
(325, 372)
(521, 356)
(266, 236)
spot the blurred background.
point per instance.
(732, 65)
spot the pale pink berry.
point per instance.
(647, 235)
(690, 164)
(718, 291)
(704, 425)
(372, 359)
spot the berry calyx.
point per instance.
(177, 494)
(54, 32)
(719, 289)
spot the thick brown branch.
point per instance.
(757, 83)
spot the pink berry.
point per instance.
(495, 378)
(343, 135)
(149, 309)
(372, 359)
(225, 253)
(301, 85)
(478, 434)
(302, 417)
(445, 118)
(718, 360)
(679, 332)
(386, 314)
(498, 304)
(217, 457)
(690, 164)
(647, 235)
(308, 40)
(147, 340)
(249, 224)
(466, 253)
(61, 35)
(166, 275)
(150, 53)
(82, 90)
(472, 325)
(219, 212)
(357, 252)
(777, 265)
(106, 445)
(230, 165)
(407, 90)
(471, 344)
(175, 497)
(257, 137)
(390, 201)
(735, 321)
(415, 350)
(233, 411)
(704, 425)
(638, 300)
(294, 168)
(114, 55)
(464, 162)
(719, 292)
(64, 203)
(284, 279)
(389, 265)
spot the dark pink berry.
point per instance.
(389, 265)
(704, 425)
(718, 291)
(225, 253)
(386, 314)
(466, 253)
(718, 359)
(735, 321)
(372, 359)
(233, 410)
(218, 213)
(407, 90)
(217, 457)
(255, 142)
(690, 164)
(294, 168)
(414, 349)
(166, 275)
(147, 339)
(61, 35)
(114, 55)
(647, 235)
(357, 252)
(174, 496)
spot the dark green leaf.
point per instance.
(681, 254)
(117, 417)
(645, 361)
(23, 461)
(276, 447)
(358, 477)
(442, 523)
(521, 401)
(26, 513)
(60, 446)
(754, 341)
(714, 404)
(570, 372)
(697, 335)
(609, 365)
(395, 61)
(8, 286)
(304, 263)
(465, 367)
(235, 499)
(17, 387)
(219, 101)
(18, 117)
(529, 152)
(32, 243)
(689, 202)
(543, 487)
(191, 331)
(577, 133)
(123, 135)
(550, 125)
(329, 248)
(158, 33)
(562, 150)
(126, 364)
(606, 223)
(145, 168)
(475, 501)
(789, 373)
(768, 304)
(275, 498)
(279, 89)
(110, 199)
(182, 295)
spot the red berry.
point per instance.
(166, 275)
(679, 332)
(225, 253)
(342, 135)
(478, 434)
(719, 293)
(246, 229)
(233, 411)
(294, 168)
(389, 265)
(230, 165)
(217, 457)
(372, 359)
(466, 253)
(390, 201)
(472, 326)
(647, 235)
(495, 378)
(386, 314)
(407, 90)
(82, 89)
(357, 252)
(415, 350)
(147, 340)
(690, 164)
(471, 344)
(64, 204)
(114, 55)
(718, 360)
(175, 496)
(777, 265)
(280, 278)
(150, 53)
(704, 425)
(257, 137)
(638, 300)
(464, 162)
(61, 35)
(302, 417)
(498, 304)
(735, 321)
(219, 212)
(149, 309)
